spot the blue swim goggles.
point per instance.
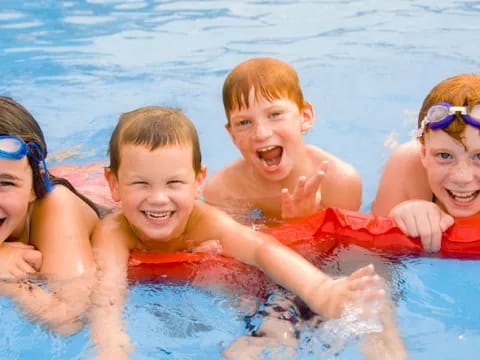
(442, 114)
(14, 148)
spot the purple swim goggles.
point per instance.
(442, 114)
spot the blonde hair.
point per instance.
(460, 90)
(270, 78)
(153, 127)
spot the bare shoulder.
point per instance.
(336, 166)
(407, 154)
(113, 230)
(342, 185)
(404, 165)
(403, 178)
(226, 185)
(62, 206)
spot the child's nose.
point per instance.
(463, 173)
(262, 131)
(158, 197)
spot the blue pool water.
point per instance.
(366, 66)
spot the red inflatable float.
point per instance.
(317, 234)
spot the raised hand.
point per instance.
(17, 260)
(306, 197)
(424, 219)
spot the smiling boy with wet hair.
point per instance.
(278, 174)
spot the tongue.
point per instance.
(272, 154)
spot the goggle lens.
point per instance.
(12, 147)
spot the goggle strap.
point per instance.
(46, 180)
(419, 132)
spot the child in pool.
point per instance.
(156, 173)
(43, 227)
(428, 181)
(278, 174)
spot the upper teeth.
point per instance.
(462, 195)
(268, 148)
(162, 215)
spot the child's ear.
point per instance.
(423, 155)
(228, 127)
(307, 117)
(112, 183)
(33, 197)
(202, 174)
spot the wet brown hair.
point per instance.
(15, 120)
(270, 78)
(460, 90)
(153, 127)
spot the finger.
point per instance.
(425, 227)
(446, 221)
(363, 271)
(313, 184)
(25, 267)
(401, 224)
(410, 224)
(435, 231)
(34, 258)
(18, 244)
(324, 166)
(299, 191)
(16, 273)
(367, 281)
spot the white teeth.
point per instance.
(158, 216)
(268, 148)
(463, 197)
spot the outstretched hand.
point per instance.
(333, 295)
(424, 219)
(306, 197)
(17, 260)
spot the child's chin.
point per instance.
(458, 213)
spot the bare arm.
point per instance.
(110, 242)
(60, 229)
(289, 269)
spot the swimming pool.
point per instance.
(365, 65)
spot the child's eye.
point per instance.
(244, 122)
(477, 156)
(172, 182)
(139, 183)
(6, 183)
(275, 114)
(444, 155)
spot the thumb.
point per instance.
(446, 221)
(34, 258)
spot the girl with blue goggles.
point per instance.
(442, 114)
(14, 148)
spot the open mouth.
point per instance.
(270, 155)
(463, 197)
(158, 215)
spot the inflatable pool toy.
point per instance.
(88, 180)
(316, 235)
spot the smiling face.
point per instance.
(453, 171)
(157, 190)
(16, 193)
(269, 134)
